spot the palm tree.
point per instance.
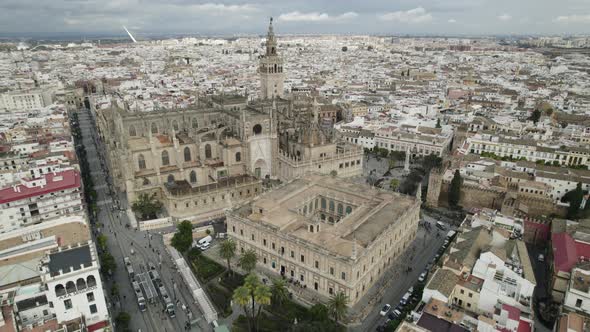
(227, 251)
(248, 260)
(262, 295)
(337, 306)
(242, 297)
(280, 294)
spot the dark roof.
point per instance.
(32, 302)
(433, 323)
(72, 258)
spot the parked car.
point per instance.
(405, 298)
(384, 310)
(422, 277)
(205, 246)
(541, 258)
(440, 226)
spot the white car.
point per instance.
(385, 309)
(422, 277)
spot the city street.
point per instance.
(426, 246)
(147, 247)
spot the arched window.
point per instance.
(91, 281)
(331, 220)
(154, 128)
(207, 151)
(195, 123)
(348, 210)
(175, 125)
(340, 209)
(132, 131)
(238, 157)
(60, 290)
(141, 162)
(257, 129)
(323, 203)
(170, 178)
(276, 68)
(81, 284)
(187, 154)
(323, 216)
(331, 206)
(70, 287)
(193, 177)
(165, 158)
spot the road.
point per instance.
(148, 248)
(426, 246)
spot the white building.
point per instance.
(39, 199)
(24, 100)
(74, 287)
(577, 295)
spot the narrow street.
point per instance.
(148, 248)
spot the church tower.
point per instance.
(271, 72)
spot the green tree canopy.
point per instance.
(227, 251)
(280, 293)
(101, 241)
(319, 312)
(337, 306)
(147, 206)
(248, 260)
(183, 238)
(535, 116)
(251, 294)
(455, 189)
(575, 198)
(431, 161)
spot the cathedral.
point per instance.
(217, 153)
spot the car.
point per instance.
(541, 258)
(422, 277)
(384, 310)
(405, 298)
(440, 226)
(391, 316)
(205, 246)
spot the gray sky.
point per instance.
(298, 16)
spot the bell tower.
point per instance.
(271, 72)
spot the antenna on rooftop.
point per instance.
(130, 35)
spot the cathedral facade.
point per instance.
(215, 154)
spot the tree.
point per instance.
(115, 291)
(248, 260)
(438, 123)
(107, 262)
(183, 238)
(319, 312)
(431, 161)
(101, 241)
(279, 291)
(252, 293)
(333, 173)
(535, 116)
(455, 189)
(122, 321)
(344, 48)
(575, 198)
(147, 206)
(227, 251)
(394, 184)
(337, 306)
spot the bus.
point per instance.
(167, 301)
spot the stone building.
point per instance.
(214, 154)
(330, 234)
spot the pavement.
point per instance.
(148, 248)
(397, 282)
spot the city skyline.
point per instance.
(426, 17)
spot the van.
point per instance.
(440, 225)
(405, 298)
(204, 240)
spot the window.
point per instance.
(238, 157)
(470, 294)
(165, 158)
(264, 242)
(154, 128)
(301, 278)
(331, 206)
(233, 228)
(68, 304)
(141, 162)
(330, 290)
(252, 237)
(207, 151)
(132, 131)
(317, 265)
(193, 177)
(302, 259)
(175, 125)
(195, 123)
(292, 254)
(331, 270)
(170, 178)
(462, 292)
(90, 297)
(241, 232)
(343, 276)
(272, 245)
(187, 154)
(578, 303)
(93, 309)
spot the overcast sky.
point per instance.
(297, 16)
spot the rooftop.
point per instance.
(70, 259)
(349, 212)
(53, 182)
